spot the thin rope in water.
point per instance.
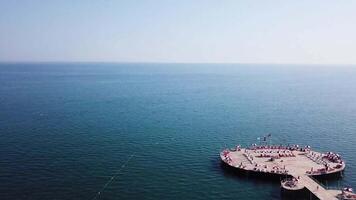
(112, 178)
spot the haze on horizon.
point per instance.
(315, 32)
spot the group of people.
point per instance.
(274, 169)
(333, 157)
(249, 157)
(347, 193)
(256, 167)
(228, 159)
(291, 183)
(316, 157)
(226, 156)
(318, 171)
(324, 159)
(277, 155)
(323, 170)
(281, 147)
(330, 156)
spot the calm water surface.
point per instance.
(66, 128)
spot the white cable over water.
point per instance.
(112, 178)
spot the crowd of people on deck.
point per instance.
(273, 151)
(275, 154)
(248, 156)
(325, 169)
(226, 156)
(256, 167)
(238, 148)
(279, 151)
(291, 183)
(275, 169)
(316, 157)
(347, 193)
(294, 147)
(347, 189)
(318, 171)
(333, 157)
(229, 160)
(324, 159)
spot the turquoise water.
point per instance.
(66, 128)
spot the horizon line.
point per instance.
(165, 62)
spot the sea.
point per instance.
(154, 130)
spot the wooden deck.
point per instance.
(298, 164)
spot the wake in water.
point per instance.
(112, 178)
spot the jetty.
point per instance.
(319, 191)
(299, 164)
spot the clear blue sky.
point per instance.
(179, 31)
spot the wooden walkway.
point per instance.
(314, 187)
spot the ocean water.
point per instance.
(67, 128)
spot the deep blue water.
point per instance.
(65, 128)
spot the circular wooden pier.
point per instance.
(292, 184)
(283, 160)
(298, 163)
